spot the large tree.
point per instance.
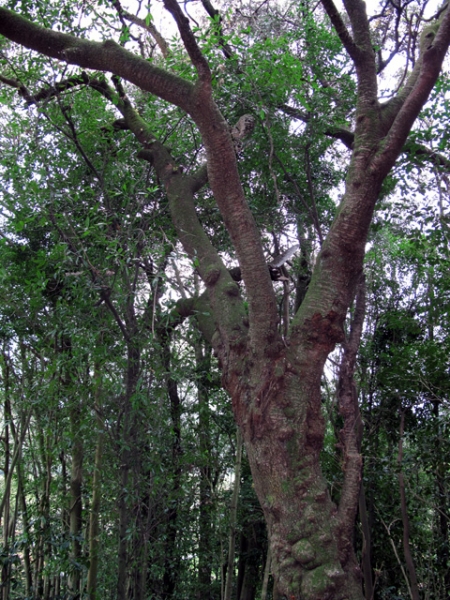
(272, 375)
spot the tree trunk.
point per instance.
(442, 504)
(171, 555)
(233, 516)
(7, 471)
(203, 368)
(94, 524)
(265, 583)
(248, 570)
(414, 588)
(442, 497)
(303, 523)
(75, 512)
(43, 548)
(68, 379)
(366, 561)
(127, 448)
(26, 530)
(123, 511)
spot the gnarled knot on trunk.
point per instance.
(326, 330)
(242, 130)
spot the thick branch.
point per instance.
(356, 10)
(104, 56)
(196, 306)
(223, 174)
(433, 57)
(317, 326)
(351, 433)
(199, 178)
(365, 65)
(391, 109)
(223, 177)
(225, 301)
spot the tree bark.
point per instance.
(203, 368)
(94, 522)
(233, 517)
(366, 550)
(265, 582)
(415, 595)
(8, 469)
(76, 468)
(26, 529)
(76, 508)
(128, 450)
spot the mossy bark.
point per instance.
(283, 433)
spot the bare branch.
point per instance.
(347, 137)
(434, 48)
(190, 43)
(431, 156)
(145, 24)
(343, 134)
(15, 83)
(199, 179)
(217, 19)
(341, 29)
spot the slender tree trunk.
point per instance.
(352, 431)
(123, 511)
(68, 379)
(233, 516)
(129, 459)
(247, 565)
(125, 442)
(442, 496)
(75, 512)
(442, 504)
(94, 522)
(9, 467)
(172, 558)
(26, 530)
(7, 470)
(366, 546)
(414, 588)
(203, 366)
(265, 582)
(43, 546)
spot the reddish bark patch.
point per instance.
(326, 331)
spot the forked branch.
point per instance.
(433, 55)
